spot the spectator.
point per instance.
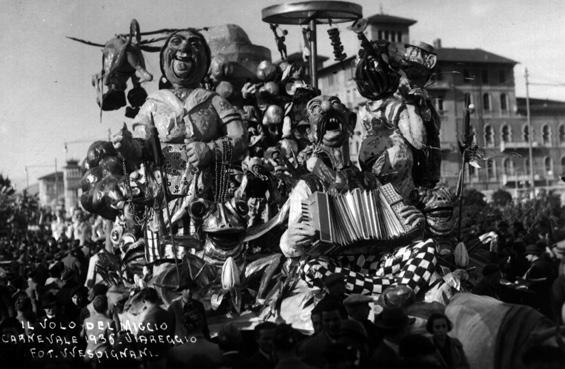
(489, 285)
(357, 307)
(395, 325)
(188, 314)
(230, 342)
(417, 349)
(451, 349)
(98, 330)
(544, 357)
(313, 350)
(264, 334)
(161, 324)
(354, 337)
(285, 345)
(541, 273)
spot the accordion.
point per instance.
(357, 217)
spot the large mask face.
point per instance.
(438, 204)
(185, 58)
(329, 120)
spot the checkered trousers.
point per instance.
(411, 265)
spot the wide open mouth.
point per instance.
(183, 63)
(226, 239)
(332, 130)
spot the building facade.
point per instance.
(51, 190)
(486, 80)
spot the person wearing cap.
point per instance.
(358, 309)
(395, 325)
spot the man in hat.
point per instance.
(395, 325)
(541, 274)
(358, 309)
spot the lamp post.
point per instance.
(530, 132)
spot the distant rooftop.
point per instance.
(471, 56)
(51, 176)
(391, 19)
(540, 106)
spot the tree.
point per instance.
(501, 198)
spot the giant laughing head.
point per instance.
(185, 58)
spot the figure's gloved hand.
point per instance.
(199, 154)
(248, 90)
(296, 238)
(301, 234)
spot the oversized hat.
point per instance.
(356, 299)
(424, 46)
(393, 319)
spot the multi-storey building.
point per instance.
(486, 80)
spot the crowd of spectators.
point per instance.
(44, 290)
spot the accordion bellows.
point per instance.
(357, 217)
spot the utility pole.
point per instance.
(56, 185)
(530, 133)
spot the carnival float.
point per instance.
(234, 178)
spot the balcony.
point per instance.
(523, 145)
(517, 178)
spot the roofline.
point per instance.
(395, 20)
(507, 61)
(325, 69)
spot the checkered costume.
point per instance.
(412, 265)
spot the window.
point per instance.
(548, 165)
(505, 134)
(563, 165)
(489, 136)
(466, 76)
(491, 168)
(398, 37)
(508, 166)
(439, 104)
(501, 76)
(503, 102)
(546, 134)
(468, 99)
(484, 76)
(525, 133)
(486, 101)
(473, 172)
(380, 35)
(527, 166)
(386, 35)
(331, 80)
(562, 134)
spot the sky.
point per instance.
(47, 98)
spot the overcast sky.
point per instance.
(47, 98)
